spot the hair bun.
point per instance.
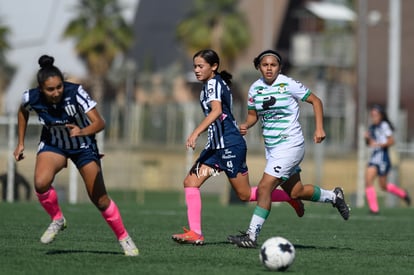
(46, 61)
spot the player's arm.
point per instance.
(390, 141)
(250, 122)
(215, 113)
(317, 105)
(96, 125)
(22, 120)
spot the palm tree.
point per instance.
(6, 70)
(216, 24)
(101, 33)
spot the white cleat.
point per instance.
(53, 230)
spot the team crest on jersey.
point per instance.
(282, 88)
(70, 109)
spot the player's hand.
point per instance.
(192, 141)
(243, 129)
(18, 153)
(74, 130)
(319, 136)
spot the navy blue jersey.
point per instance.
(380, 156)
(223, 132)
(72, 109)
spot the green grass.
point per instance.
(325, 244)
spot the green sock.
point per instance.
(316, 194)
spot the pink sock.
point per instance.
(372, 198)
(394, 189)
(114, 220)
(277, 195)
(49, 201)
(193, 201)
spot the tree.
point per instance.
(101, 33)
(215, 24)
(6, 70)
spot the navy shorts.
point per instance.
(231, 160)
(381, 160)
(79, 157)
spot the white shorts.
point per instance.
(283, 161)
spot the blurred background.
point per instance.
(135, 58)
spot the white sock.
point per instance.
(327, 196)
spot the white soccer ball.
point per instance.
(277, 254)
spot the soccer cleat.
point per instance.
(129, 247)
(53, 229)
(340, 203)
(298, 206)
(407, 198)
(242, 240)
(189, 237)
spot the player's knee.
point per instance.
(244, 197)
(102, 203)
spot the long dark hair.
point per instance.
(211, 57)
(383, 113)
(47, 69)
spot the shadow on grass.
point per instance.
(299, 246)
(76, 251)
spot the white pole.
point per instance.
(394, 60)
(394, 57)
(11, 162)
(362, 101)
(73, 183)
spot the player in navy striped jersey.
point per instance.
(70, 121)
(225, 149)
(379, 138)
(274, 100)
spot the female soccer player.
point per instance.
(379, 138)
(70, 121)
(225, 149)
(273, 99)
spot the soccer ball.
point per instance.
(277, 254)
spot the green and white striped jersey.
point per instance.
(277, 107)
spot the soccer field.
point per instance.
(324, 243)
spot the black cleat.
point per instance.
(407, 198)
(242, 240)
(340, 203)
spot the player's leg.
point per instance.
(48, 164)
(309, 192)
(198, 174)
(246, 193)
(237, 173)
(93, 178)
(394, 189)
(370, 193)
(261, 212)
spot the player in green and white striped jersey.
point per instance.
(274, 100)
